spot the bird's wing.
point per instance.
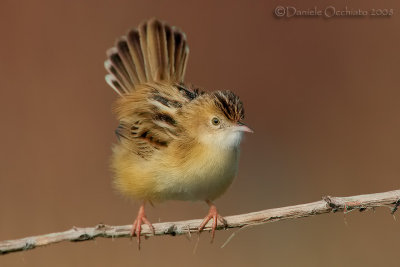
(150, 118)
(152, 52)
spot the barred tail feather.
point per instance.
(153, 52)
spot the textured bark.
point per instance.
(326, 205)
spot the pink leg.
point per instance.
(212, 214)
(137, 224)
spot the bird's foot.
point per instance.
(212, 214)
(137, 224)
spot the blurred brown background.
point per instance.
(321, 94)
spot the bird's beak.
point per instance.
(243, 128)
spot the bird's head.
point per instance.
(217, 120)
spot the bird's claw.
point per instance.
(137, 225)
(212, 214)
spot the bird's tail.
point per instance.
(152, 52)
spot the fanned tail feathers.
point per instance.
(153, 52)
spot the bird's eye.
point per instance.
(215, 121)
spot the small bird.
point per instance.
(175, 142)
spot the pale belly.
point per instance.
(205, 179)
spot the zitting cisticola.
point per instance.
(175, 142)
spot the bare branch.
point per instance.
(328, 204)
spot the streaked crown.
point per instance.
(229, 104)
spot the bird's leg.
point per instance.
(212, 214)
(137, 224)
